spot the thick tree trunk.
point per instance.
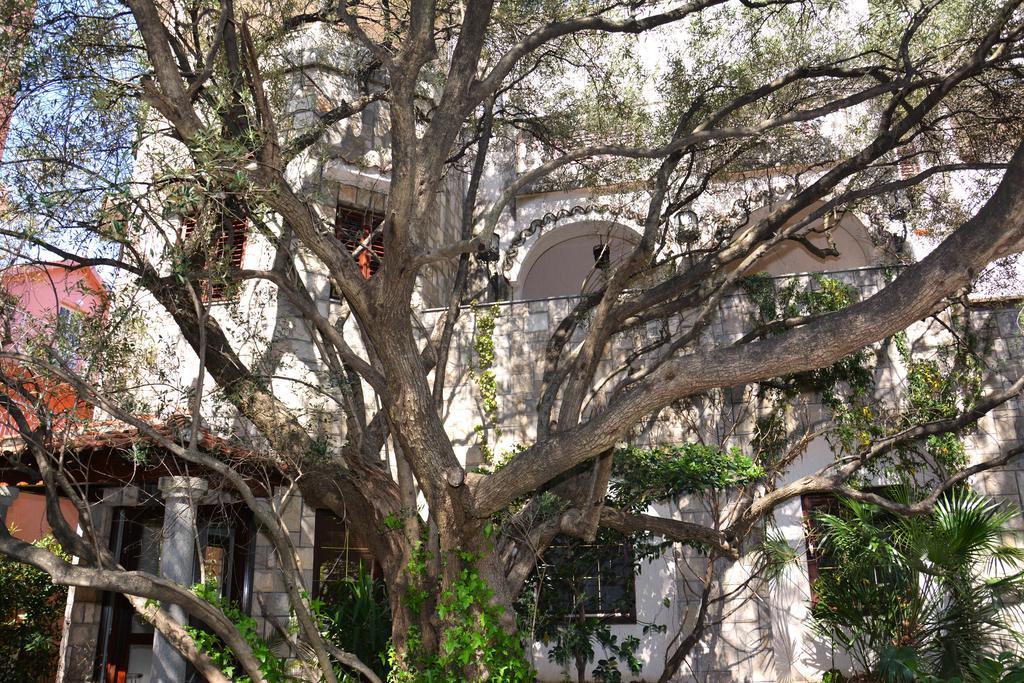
(431, 582)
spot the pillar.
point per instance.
(7, 496)
(177, 563)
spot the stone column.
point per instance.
(7, 496)
(177, 563)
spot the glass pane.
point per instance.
(150, 538)
(591, 592)
(213, 563)
(598, 576)
(339, 554)
(149, 546)
(140, 661)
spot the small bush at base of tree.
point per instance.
(31, 615)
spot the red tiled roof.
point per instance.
(116, 434)
(101, 446)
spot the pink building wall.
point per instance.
(40, 291)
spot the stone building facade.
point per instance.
(760, 632)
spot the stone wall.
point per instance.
(998, 327)
(762, 633)
(270, 602)
(759, 633)
(84, 611)
(522, 329)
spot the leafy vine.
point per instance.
(474, 635)
(483, 373)
(273, 668)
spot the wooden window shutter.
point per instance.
(230, 246)
(353, 227)
(909, 164)
(188, 223)
(813, 503)
(226, 251)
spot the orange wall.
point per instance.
(27, 517)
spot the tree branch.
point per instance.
(995, 231)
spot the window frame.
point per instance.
(810, 504)
(322, 553)
(70, 321)
(364, 222)
(238, 239)
(113, 646)
(625, 616)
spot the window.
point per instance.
(226, 250)
(908, 162)
(338, 553)
(70, 328)
(357, 230)
(571, 260)
(589, 579)
(818, 560)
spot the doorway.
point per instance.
(125, 647)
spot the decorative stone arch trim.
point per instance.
(528, 236)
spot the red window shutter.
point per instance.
(227, 249)
(909, 164)
(908, 169)
(239, 234)
(352, 227)
(189, 225)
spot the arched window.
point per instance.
(837, 242)
(572, 259)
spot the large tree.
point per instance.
(932, 87)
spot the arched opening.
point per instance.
(572, 259)
(832, 244)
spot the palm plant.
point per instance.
(920, 598)
(357, 616)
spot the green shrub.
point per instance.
(911, 599)
(31, 617)
(356, 616)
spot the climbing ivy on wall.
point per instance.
(475, 638)
(848, 379)
(939, 386)
(483, 373)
